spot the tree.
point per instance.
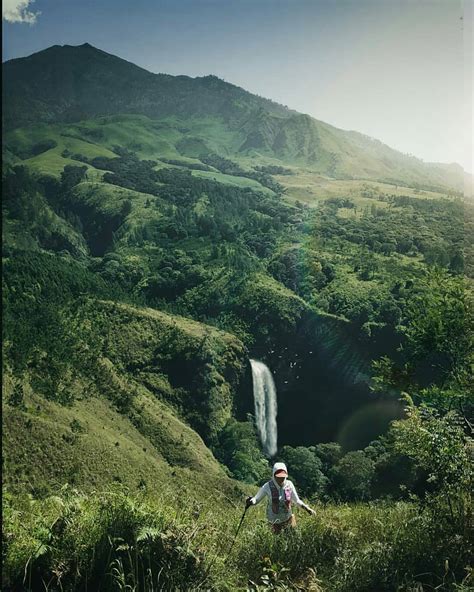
(438, 445)
(329, 454)
(388, 247)
(72, 175)
(437, 255)
(305, 467)
(437, 358)
(439, 326)
(238, 448)
(126, 208)
(352, 476)
(456, 264)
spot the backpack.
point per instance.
(276, 498)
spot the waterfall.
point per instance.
(264, 395)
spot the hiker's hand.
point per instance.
(310, 511)
(248, 502)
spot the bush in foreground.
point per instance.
(107, 541)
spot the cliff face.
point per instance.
(322, 373)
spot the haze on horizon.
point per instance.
(399, 71)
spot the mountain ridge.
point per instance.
(73, 83)
(83, 52)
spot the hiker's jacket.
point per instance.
(286, 496)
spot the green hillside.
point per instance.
(159, 232)
(124, 416)
(72, 84)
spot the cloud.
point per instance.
(16, 11)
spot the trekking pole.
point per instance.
(236, 533)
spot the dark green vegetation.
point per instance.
(159, 233)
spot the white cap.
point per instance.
(279, 466)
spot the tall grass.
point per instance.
(366, 547)
(106, 541)
(115, 541)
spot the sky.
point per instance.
(400, 71)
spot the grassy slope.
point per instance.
(310, 188)
(187, 138)
(152, 139)
(231, 180)
(90, 444)
(42, 452)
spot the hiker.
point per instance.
(281, 493)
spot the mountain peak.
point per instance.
(73, 82)
(90, 48)
(76, 82)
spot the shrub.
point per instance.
(352, 476)
(98, 541)
(238, 448)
